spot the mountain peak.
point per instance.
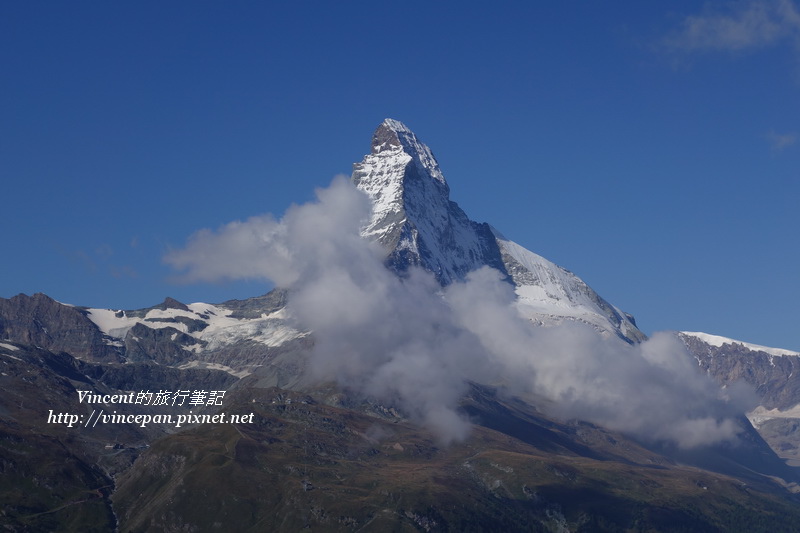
(393, 138)
(395, 125)
(172, 303)
(418, 225)
(413, 216)
(393, 134)
(387, 136)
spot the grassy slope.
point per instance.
(312, 466)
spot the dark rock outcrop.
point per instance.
(39, 320)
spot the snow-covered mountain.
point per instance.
(236, 336)
(416, 221)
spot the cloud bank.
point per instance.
(413, 344)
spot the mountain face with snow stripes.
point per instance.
(415, 220)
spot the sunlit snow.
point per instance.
(718, 341)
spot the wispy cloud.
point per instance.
(84, 259)
(104, 251)
(740, 26)
(781, 141)
(123, 271)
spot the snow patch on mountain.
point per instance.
(718, 341)
(112, 323)
(215, 366)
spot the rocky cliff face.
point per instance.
(774, 375)
(39, 320)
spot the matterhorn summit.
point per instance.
(415, 220)
(413, 216)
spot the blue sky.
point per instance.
(651, 148)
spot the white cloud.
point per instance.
(413, 344)
(652, 390)
(743, 25)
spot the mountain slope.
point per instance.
(548, 293)
(310, 465)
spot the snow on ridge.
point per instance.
(9, 346)
(553, 286)
(217, 366)
(718, 341)
(547, 290)
(418, 150)
(396, 125)
(118, 326)
(384, 188)
(111, 324)
(221, 328)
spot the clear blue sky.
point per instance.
(651, 148)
